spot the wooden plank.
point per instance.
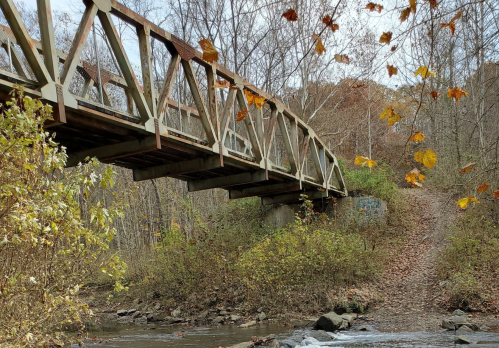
(265, 190)
(316, 160)
(227, 181)
(270, 134)
(293, 197)
(304, 151)
(226, 115)
(250, 126)
(179, 168)
(110, 152)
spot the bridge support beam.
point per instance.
(227, 181)
(179, 168)
(293, 197)
(265, 190)
(110, 152)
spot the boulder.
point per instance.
(473, 327)
(172, 320)
(177, 312)
(122, 312)
(344, 325)
(262, 316)
(136, 314)
(248, 324)
(275, 344)
(320, 335)
(464, 330)
(131, 311)
(141, 320)
(243, 345)
(328, 322)
(224, 313)
(203, 315)
(349, 317)
(454, 322)
(234, 317)
(462, 339)
(288, 343)
(310, 341)
(458, 312)
(362, 328)
(218, 320)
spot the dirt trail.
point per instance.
(409, 285)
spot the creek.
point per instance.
(226, 335)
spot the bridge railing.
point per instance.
(99, 73)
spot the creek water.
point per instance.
(214, 337)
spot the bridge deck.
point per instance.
(153, 128)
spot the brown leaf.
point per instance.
(221, 84)
(457, 16)
(404, 15)
(391, 70)
(435, 95)
(328, 21)
(290, 15)
(342, 58)
(374, 7)
(433, 4)
(241, 115)
(467, 168)
(456, 93)
(319, 47)
(483, 187)
(451, 25)
(386, 38)
(393, 48)
(412, 5)
(358, 85)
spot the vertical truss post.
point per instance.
(48, 40)
(144, 35)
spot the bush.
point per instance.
(46, 249)
(378, 181)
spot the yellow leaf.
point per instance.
(424, 72)
(413, 176)
(427, 158)
(387, 113)
(394, 119)
(361, 160)
(364, 161)
(456, 93)
(467, 168)
(386, 38)
(463, 202)
(210, 54)
(482, 188)
(254, 99)
(417, 137)
(319, 48)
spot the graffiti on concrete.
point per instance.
(369, 207)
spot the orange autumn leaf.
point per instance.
(424, 72)
(413, 176)
(391, 70)
(241, 115)
(496, 194)
(319, 48)
(451, 25)
(417, 137)
(364, 161)
(342, 58)
(435, 95)
(427, 158)
(374, 7)
(483, 187)
(456, 93)
(387, 113)
(328, 21)
(210, 53)
(404, 15)
(457, 16)
(254, 99)
(463, 202)
(467, 168)
(221, 84)
(386, 38)
(290, 15)
(412, 5)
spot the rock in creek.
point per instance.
(463, 340)
(464, 330)
(248, 324)
(329, 322)
(122, 312)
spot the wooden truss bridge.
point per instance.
(149, 105)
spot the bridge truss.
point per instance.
(169, 124)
